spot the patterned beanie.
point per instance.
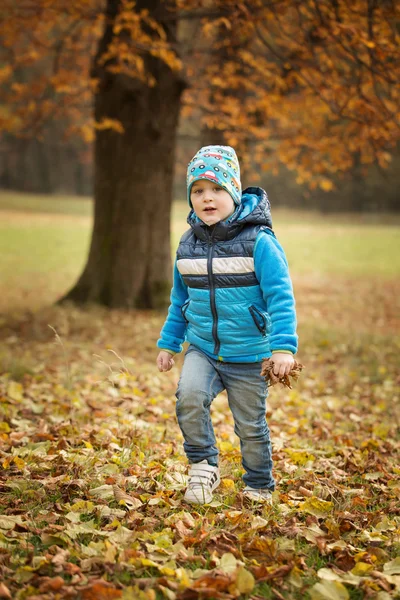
(218, 164)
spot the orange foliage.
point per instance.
(312, 85)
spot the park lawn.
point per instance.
(40, 258)
(44, 243)
(92, 469)
(45, 203)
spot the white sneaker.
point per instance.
(258, 495)
(203, 479)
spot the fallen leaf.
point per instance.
(328, 590)
(104, 492)
(392, 567)
(228, 563)
(51, 584)
(125, 499)
(101, 590)
(244, 581)
(14, 391)
(4, 591)
(316, 506)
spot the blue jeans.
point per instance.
(202, 378)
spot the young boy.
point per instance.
(232, 300)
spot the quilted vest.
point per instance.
(225, 312)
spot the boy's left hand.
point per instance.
(283, 363)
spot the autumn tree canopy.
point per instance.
(314, 85)
(321, 83)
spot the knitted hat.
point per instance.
(218, 164)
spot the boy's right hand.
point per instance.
(165, 362)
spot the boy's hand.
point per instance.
(283, 363)
(165, 362)
(269, 365)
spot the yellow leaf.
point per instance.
(19, 462)
(14, 391)
(226, 446)
(300, 457)
(392, 567)
(228, 485)
(328, 590)
(9, 522)
(167, 571)
(361, 568)
(228, 563)
(380, 430)
(295, 577)
(82, 506)
(4, 427)
(316, 506)
(182, 576)
(107, 123)
(244, 581)
(234, 516)
(146, 562)
(326, 185)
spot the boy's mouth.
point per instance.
(209, 209)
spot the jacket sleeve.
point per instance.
(173, 332)
(272, 271)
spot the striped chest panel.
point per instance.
(229, 263)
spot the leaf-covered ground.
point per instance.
(93, 471)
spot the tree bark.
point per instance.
(129, 263)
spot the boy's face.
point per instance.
(211, 202)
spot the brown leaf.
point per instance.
(122, 497)
(51, 584)
(60, 558)
(4, 591)
(262, 573)
(272, 379)
(263, 547)
(183, 531)
(224, 542)
(344, 561)
(216, 580)
(101, 590)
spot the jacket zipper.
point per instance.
(217, 344)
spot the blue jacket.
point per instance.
(232, 295)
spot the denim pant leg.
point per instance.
(198, 385)
(247, 391)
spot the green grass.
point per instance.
(44, 243)
(349, 250)
(42, 203)
(40, 261)
(318, 244)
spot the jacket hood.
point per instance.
(254, 209)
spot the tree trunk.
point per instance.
(129, 263)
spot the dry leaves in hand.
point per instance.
(272, 379)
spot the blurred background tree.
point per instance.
(307, 92)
